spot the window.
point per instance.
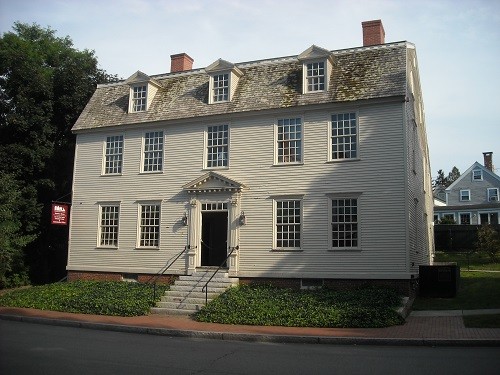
(492, 194)
(464, 195)
(153, 152)
(344, 223)
(220, 88)
(289, 140)
(113, 157)
(315, 77)
(477, 175)
(217, 146)
(108, 229)
(464, 218)
(288, 224)
(139, 98)
(344, 132)
(149, 228)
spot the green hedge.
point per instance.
(268, 305)
(87, 297)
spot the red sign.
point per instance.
(60, 214)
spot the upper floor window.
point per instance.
(149, 225)
(492, 194)
(288, 216)
(477, 175)
(289, 140)
(464, 195)
(108, 228)
(217, 146)
(344, 223)
(153, 152)
(344, 136)
(315, 76)
(220, 88)
(139, 98)
(113, 155)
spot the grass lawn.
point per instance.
(482, 321)
(472, 261)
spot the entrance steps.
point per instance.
(186, 297)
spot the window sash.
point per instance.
(114, 155)
(344, 223)
(221, 88)
(492, 192)
(153, 152)
(465, 195)
(149, 228)
(288, 224)
(315, 76)
(344, 134)
(217, 146)
(108, 231)
(139, 98)
(289, 140)
(464, 219)
(477, 175)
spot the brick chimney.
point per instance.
(373, 33)
(180, 62)
(488, 160)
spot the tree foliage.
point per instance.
(44, 85)
(488, 242)
(445, 181)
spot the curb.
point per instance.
(250, 337)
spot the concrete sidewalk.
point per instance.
(421, 328)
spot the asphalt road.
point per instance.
(27, 348)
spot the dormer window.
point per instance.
(142, 92)
(477, 175)
(224, 78)
(316, 68)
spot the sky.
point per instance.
(457, 43)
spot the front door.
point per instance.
(213, 238)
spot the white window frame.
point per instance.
(277, 201)
(291, 123)
(474, 171)
(138, 98)
(331, 136)
(141, 226)
(113, 155)
(313, 80)
(356, 222)
(460, 218)
(465, 193)
(220, 94)
(149, 154)
(492, 192)
(209, 147)
(108, 226)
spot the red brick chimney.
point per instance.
(488, 160)
(373, 33)
(180, 62)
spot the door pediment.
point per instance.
(212, 182)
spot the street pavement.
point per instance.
(431, 328)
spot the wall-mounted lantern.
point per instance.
(243, 218)
(185, 219)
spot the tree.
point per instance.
(443, 181)
(453, 176)
(44, 85)
(488, 242)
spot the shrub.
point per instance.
(488, 242)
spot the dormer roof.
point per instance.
(221, 66)
(140, 77)
(314, 52)
(213, 182)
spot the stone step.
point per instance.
(181, 305)
(190, 294)
(191, 288)
(201, 283)
(162, 311)
(197, 277)
(193, 300)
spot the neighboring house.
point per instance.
(309, 168)
(474, 197)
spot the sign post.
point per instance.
(59, 214)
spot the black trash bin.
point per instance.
(439, 280)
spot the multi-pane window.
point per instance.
(465, 195)
(464, 219)
(139, 98)
(220, 88)
(149, 229)
(153, 151)
(108, 230)
(493, 194)
(217, 146)
(288, 221)
(344, 133)
(315, 78)
(113, 155)
(477, 175)
(289, 140)
(344, 223)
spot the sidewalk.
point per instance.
(421, 328)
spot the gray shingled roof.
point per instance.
(357, 74)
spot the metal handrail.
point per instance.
(162, 271)
(205, 288)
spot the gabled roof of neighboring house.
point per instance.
(357, 74)
(474, 166)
